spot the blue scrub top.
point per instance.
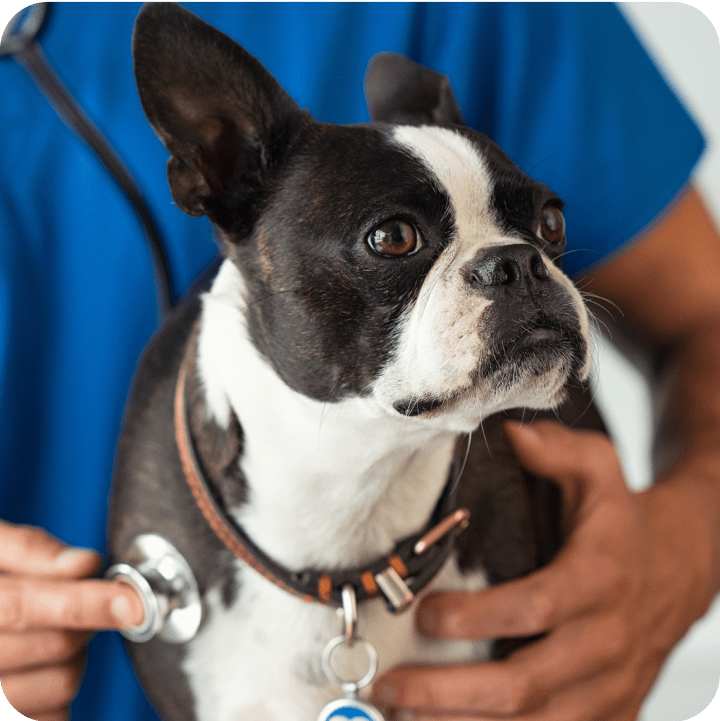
(565, 89)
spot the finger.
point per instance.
(569, 655)
(403, 715)
(421, 716)
(568, 456)
(478, 692)
(24, 651)
(59, 715)
(458, 689)
(571, 586)
(62, 714)
(36, 604)
(29, 551)
(44, 690)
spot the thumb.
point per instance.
(580, 462)
(552, 450)
(30, 551)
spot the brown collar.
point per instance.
(399, 576)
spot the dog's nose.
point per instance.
(510, 266)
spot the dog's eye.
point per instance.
(395, 238)
(552, 224)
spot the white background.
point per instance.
(685, 44)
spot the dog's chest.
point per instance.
(259, 658)
(339, 493)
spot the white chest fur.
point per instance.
(338, 489)
(329, 484)
(259, 660)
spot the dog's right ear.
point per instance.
(398, 90)
(221, 115)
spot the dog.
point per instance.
(386, 290)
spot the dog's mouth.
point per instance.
(535, 346)
(546, 347)
(419, 406)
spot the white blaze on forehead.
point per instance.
(439, 345)
(464, 175)
(450, 156)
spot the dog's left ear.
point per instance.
(222, 116)
(398, 90)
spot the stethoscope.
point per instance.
(19, 41)
(152, 565)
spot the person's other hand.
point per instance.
(48, 609)
(630, 580)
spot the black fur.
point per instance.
(153, 498)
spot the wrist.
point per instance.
(684, 512)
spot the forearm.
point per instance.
(687, 441)
(667, 287)
(688, 406)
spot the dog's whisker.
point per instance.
(570, 251)
(327, 406)
(599, 300)
(594, 326)
(485, 438)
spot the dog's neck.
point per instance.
(329, 485)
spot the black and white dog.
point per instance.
(386, 288)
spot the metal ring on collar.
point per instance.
(347, 685)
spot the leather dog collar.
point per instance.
(398, 576)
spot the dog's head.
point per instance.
(407, 261)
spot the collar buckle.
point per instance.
(395, 590)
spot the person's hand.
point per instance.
(47, 610)
(630, 580)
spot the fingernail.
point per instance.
(71, 556)
(123, 611)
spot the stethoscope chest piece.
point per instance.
(167, 587)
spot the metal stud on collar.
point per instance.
(166, 586)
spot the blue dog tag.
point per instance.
(350, 709)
